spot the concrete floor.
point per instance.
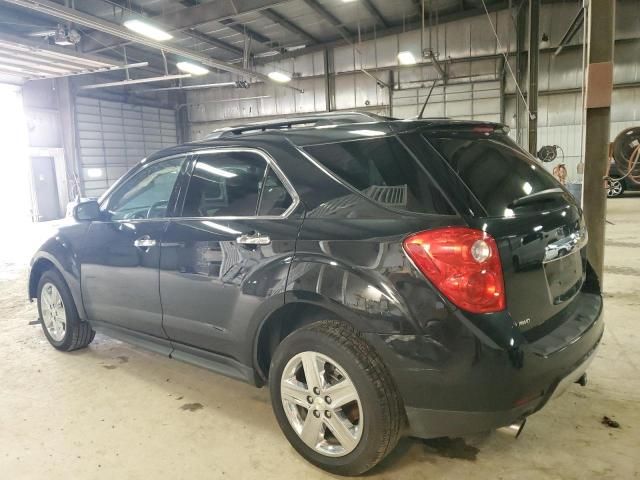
(112, 411)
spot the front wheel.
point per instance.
(334, 398)
(60, 320)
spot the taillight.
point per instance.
(463, 264)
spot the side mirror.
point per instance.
(87, 211)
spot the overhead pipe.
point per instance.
(134, 81)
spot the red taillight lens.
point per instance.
(463, 264)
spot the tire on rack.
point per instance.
(58, 314)
(326, 378)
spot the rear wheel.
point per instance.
(60, 321)
(334, 399)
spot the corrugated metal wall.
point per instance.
(114, 136)
(475, 101)
(560, 101)
(473, 89)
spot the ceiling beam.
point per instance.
(287, 24)
(214, 42)
(80, 18)
(193, 17)
(375, 13)
(329, 17)
(246, 31)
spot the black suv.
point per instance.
(383, 277)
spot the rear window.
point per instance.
(383, 170)
(494, 168)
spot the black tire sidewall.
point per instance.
(373, 433)
(53, 277)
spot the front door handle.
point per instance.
(144, 242)
(253, 239)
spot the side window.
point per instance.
(147, 193)
(383, 170)
(225, 184)
(275, 199)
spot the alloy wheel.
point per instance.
(322, 404)
(53, 312)
(614, 188)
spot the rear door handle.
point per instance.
(144, 242)
(253, 239)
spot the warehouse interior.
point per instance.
(89, 88)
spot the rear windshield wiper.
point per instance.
(542, 196)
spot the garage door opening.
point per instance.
(15, 190)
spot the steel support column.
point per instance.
(532, 85)
(598, 80)
(67, 111)
(520, 67)
(329, 80)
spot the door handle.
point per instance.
(144, 242)
(253, 239)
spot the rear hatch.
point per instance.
(536, 223)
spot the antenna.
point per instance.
(424, 105)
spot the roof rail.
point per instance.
(333, 118)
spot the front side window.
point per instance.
(147, 193)
(234, 184)
(383, 170)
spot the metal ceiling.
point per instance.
(217, 33)
(30, 60)
(221, 29)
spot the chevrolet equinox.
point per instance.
(382, 277)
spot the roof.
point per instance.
(319, 128)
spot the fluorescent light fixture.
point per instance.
(94, 172)
(295, 47)
(406, 58)
(147, 30)
(348, 1)
(192, 68)
(279, 77)
(215, 171)
(269, 53)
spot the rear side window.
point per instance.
(383, 170)
(494, 168)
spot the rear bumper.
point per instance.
(427, 423)
(467, 385)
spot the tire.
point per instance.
(615, 188)
(76, 333)
(377, 415)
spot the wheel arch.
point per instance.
(44, 261)
(292, 316)
(38, 268)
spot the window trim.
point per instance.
(105, 202)
(271, 163)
